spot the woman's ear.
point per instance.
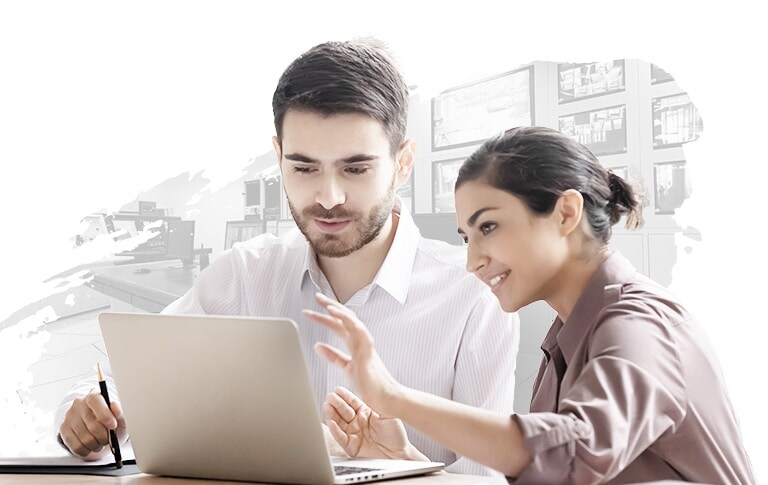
(569, 210)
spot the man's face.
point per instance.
(339, 177)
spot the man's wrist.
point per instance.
(413, 454)
(60, 441)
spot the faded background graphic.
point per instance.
(135, 143)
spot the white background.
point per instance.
(100, 100)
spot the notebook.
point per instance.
(60, 462)
(226, 398)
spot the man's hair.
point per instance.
(345, 77)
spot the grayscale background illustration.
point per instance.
(135, 146)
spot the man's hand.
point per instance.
(85, 430)
(334, 448)
(364, 433)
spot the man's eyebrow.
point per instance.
(298, 157)
(359, 158)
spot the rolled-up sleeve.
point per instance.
(629, 392)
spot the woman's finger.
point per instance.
(342, 321)
(328, 321)
(356, 333)
(337, 308)
(332, 354)
(342, 311)
(324, 300)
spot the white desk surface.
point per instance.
(440, 478)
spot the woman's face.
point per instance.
(516, 253)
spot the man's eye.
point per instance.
(357, 170)
(303, 169)
(487, 227)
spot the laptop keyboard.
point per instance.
(348, 470)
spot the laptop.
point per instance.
(226, 398)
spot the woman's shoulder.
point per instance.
(641, 299)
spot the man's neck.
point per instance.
(349, 274)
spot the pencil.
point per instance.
(114, 445)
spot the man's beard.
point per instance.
(337, 246)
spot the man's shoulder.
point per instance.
(269, 248)
(443, 265)
(442, 253)
(446, 262)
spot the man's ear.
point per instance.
(405, 159)
(278, 149)
(569, 211)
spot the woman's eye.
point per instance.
(487, 227)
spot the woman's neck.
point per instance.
(572, 280)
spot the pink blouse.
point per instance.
(629, 390)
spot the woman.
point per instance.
(628, 389)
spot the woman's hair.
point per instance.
(538, 164)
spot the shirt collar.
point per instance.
(394, 276)
(311, 272)
(609, 277)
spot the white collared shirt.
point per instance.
(437, 327)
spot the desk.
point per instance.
(440, 478)
(151, 292)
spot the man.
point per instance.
(340, 114)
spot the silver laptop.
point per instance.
(226, 398)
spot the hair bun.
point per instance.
(624, 200)
(616, 185)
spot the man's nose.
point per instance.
(331, 193)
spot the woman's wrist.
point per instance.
(392, 399)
